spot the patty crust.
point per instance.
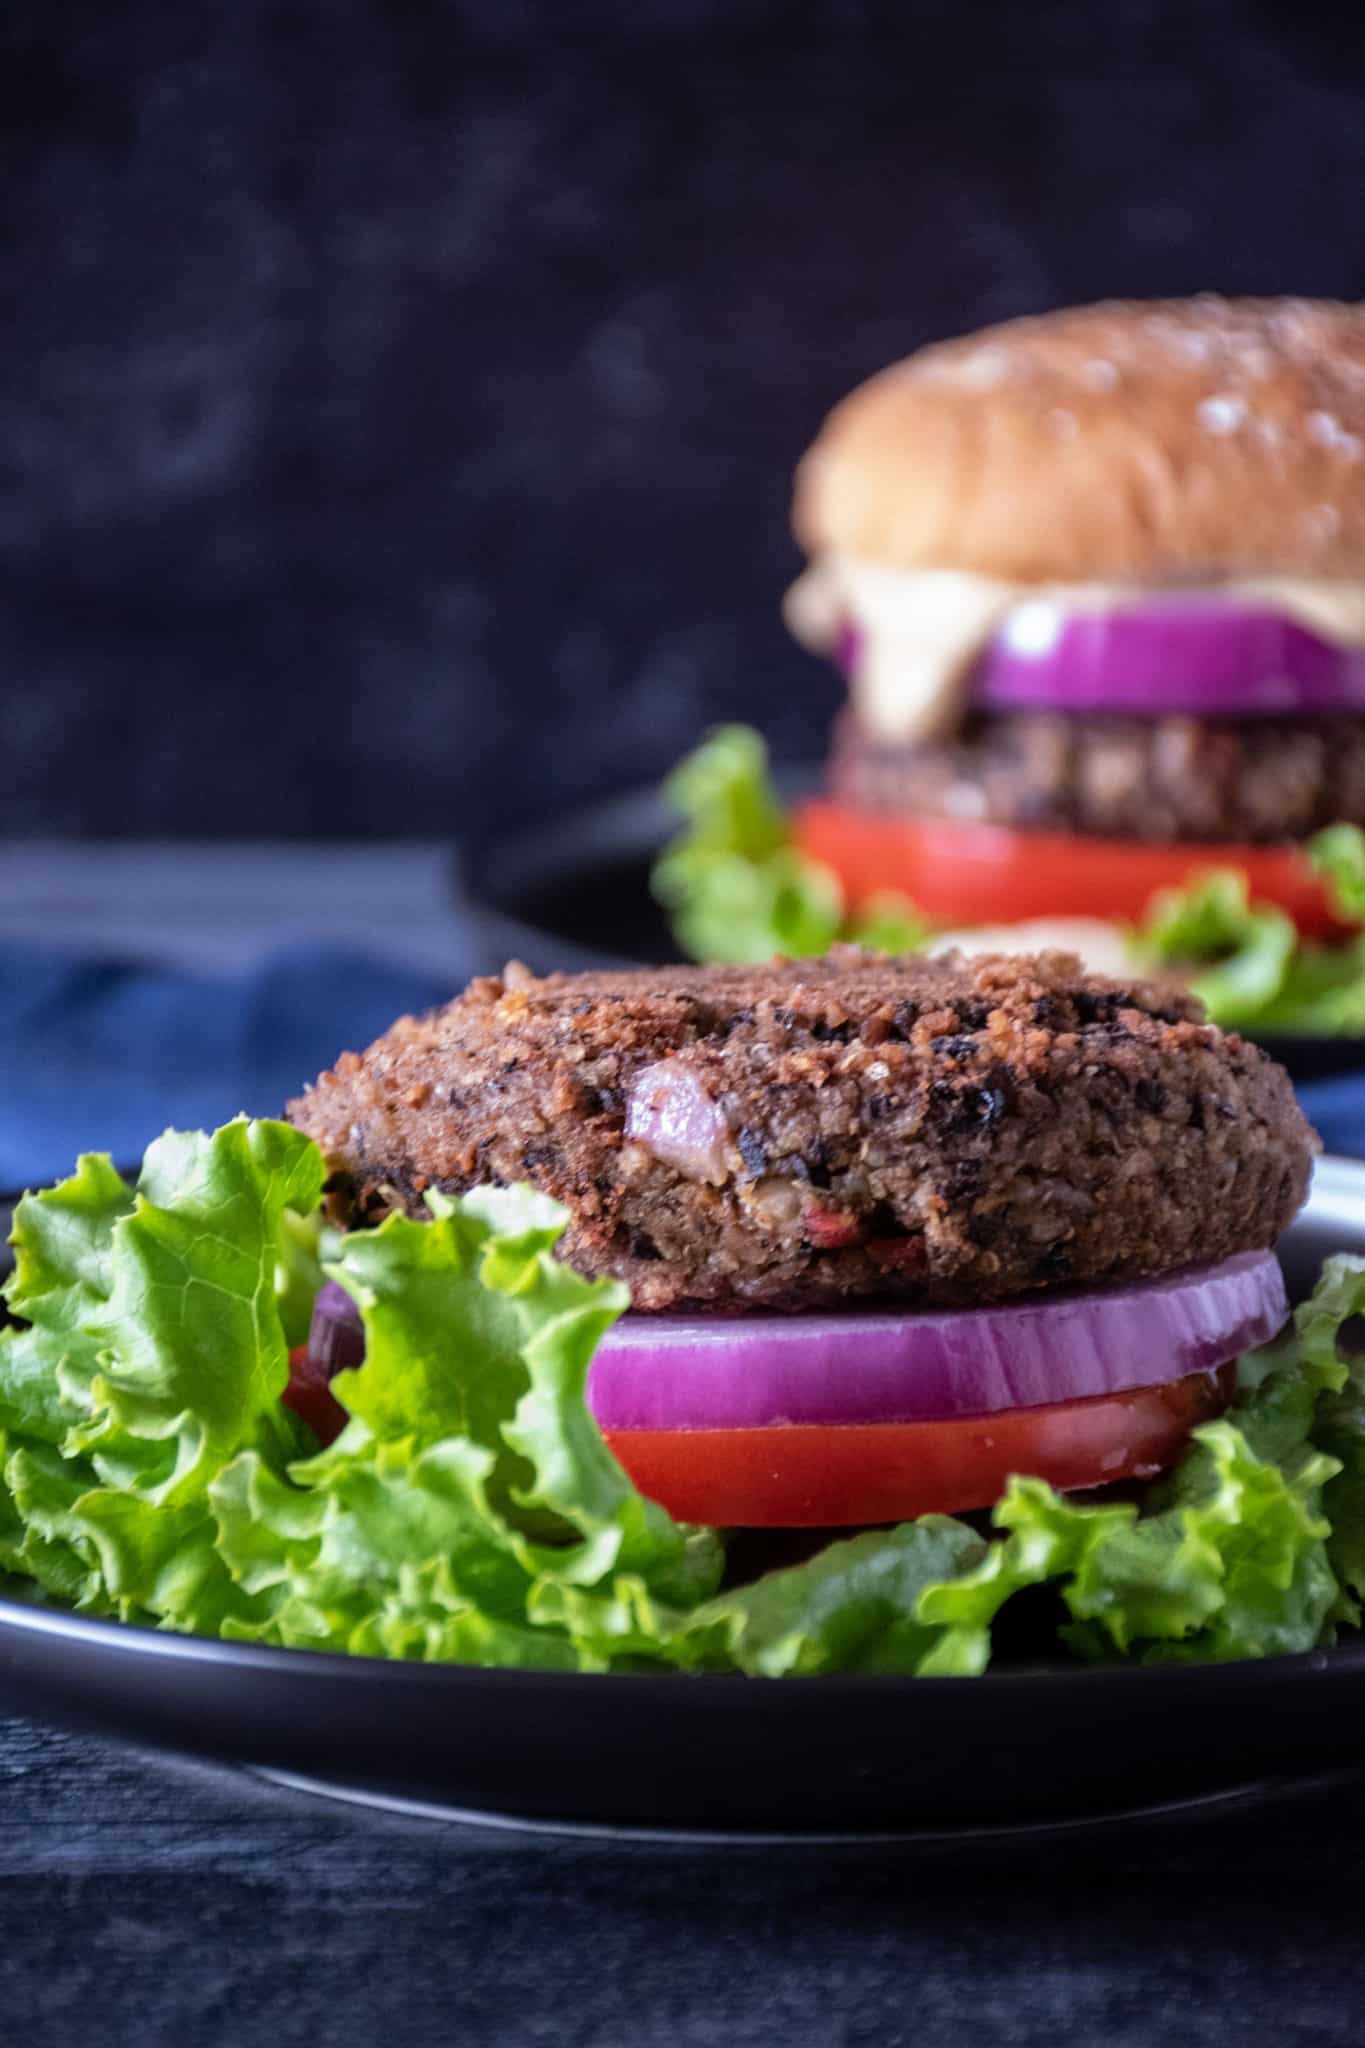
(1219, 780)
(951, 1130)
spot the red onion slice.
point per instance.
(1184, 656)
(878, 1365)
(336, 1339)
(848, 647)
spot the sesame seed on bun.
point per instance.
(1170, 441)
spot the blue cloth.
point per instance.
(1337, 1109)
(100, 1055)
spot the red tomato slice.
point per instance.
(802, 1476)
(989, 874)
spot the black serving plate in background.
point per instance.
(802, 1756)
(575, 894)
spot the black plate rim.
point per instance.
(94, 1632)
(970, 1834)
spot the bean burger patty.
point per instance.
(1171, 778)
(952, 1130)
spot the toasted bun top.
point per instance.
(1169, 441)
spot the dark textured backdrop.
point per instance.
(397, 403)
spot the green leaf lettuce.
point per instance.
(471, 1510)
(735, 884)
(1245, 960)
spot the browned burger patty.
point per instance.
(1123, 778)
(952, 1130)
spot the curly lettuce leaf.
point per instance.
(62, 1279)
(1326, 1330)
(1338, 854)
(735, 884)
(732, 881)
(471, 1509)
(1212, 918)
(471, 1478)
(305, 1241)
(887, 923)
(852, 1607)
(192, 1350)
(1244, 959)
(1252, 1547)
(1341, 1432)
(151, 1352)
(855, 1606)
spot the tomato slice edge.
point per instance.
(845, 1475)
(965, 873)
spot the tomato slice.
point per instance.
(990, 874)
(804, 1476)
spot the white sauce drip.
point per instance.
(922, 631)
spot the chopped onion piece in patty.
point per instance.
(672, 1116)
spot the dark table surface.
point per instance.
(148, 1901)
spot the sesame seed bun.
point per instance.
(1172, 441)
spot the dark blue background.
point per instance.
(397, 403)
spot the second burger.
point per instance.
(1097, 582)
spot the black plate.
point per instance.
(576, 894)
(818, 1755)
